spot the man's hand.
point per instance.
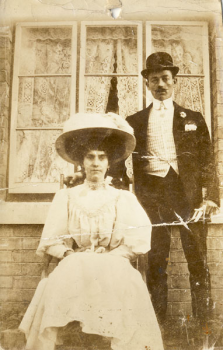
(211, 207)
(207, 208)
(74, 179)
(68, 252)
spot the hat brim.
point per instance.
(173, 69)
(70, 145)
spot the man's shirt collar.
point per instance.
(168, 103)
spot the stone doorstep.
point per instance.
(12, 339)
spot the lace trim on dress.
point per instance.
(96, 212)
(95, 185)
(105, 207)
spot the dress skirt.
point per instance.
(101, 291)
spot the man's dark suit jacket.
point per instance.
(194, 152)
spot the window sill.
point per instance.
(31, 213)
(23, 212)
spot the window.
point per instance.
(187, 43)
(43, 83)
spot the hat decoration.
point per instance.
(159, 61)
(107, 131)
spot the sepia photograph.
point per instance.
(111, 175)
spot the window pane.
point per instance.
(111, 50)
(97, 91)
(45, 51)
(43, 101)
(96, 94)
(183, 43)
(128, 95)
(189, 93)
(36, 158)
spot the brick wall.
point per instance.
(215, 262)
(5, 79)
(20, 270)
(179, 299)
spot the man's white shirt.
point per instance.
(161, 150)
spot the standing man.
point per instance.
(174, 175)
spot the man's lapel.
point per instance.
(178, 122)
(142, 126)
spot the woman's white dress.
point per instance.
(96, 285)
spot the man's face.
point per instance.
(161, 84)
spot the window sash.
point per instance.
(36, 187)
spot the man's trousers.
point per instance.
(165, 202)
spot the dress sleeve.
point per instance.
(132, 225)
(55, 238)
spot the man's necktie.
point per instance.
(162, 109)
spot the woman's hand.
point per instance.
(100, 250)
(74, 179)
(68, 252)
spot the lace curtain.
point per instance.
(127, 62)
(184, 44)
(37, 160)
(42, 102)
(111, 50)
(45, 51)
(100, 59)
(189, 92)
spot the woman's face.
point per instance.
(95, 164)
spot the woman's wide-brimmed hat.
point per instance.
(104, 131)
(159, 61)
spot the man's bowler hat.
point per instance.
(159, 61)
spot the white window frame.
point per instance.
(82, 76)
(206, 65)
(15, 187)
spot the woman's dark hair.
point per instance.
(111, 147)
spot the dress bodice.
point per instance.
(91, 215)
(104, 217)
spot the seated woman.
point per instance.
(94, 282)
